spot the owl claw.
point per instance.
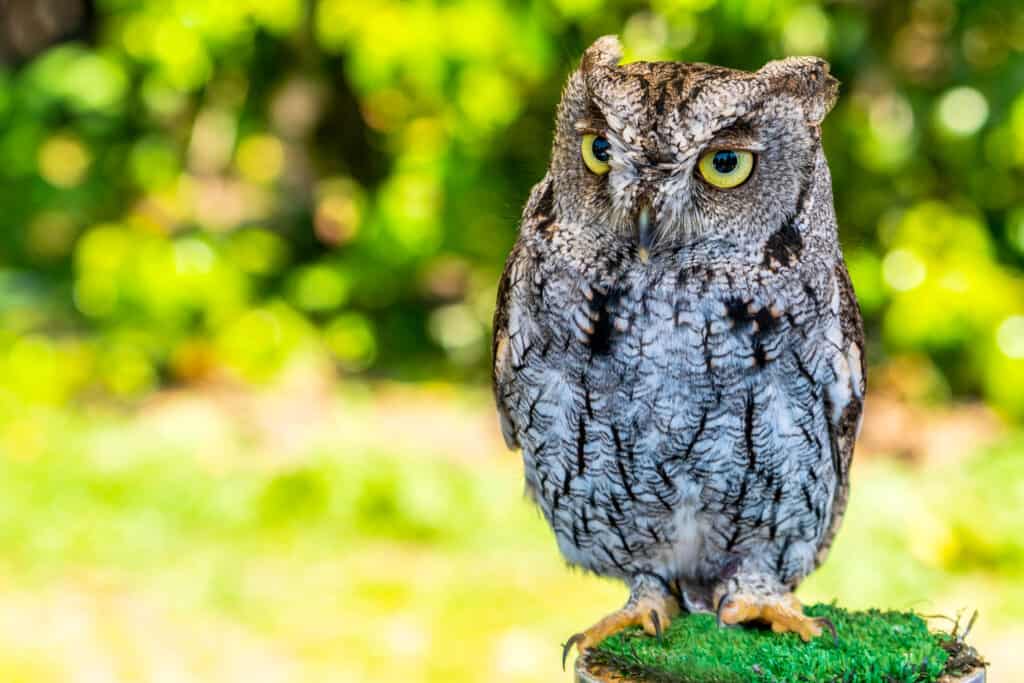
(726, 599)
(825, 621)
(651, 612)
(782, 611)
(656, 622)
(573, 639)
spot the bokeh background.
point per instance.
(248, 260)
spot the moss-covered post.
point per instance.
(870, 645)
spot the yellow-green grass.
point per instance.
(125, 555)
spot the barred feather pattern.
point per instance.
(689, 415)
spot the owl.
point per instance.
(678, 351)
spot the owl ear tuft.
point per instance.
(585, 86)
(809, 79)
(606, 51)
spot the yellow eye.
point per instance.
(726, 168)
(596, 153)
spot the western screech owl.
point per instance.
(677, 346)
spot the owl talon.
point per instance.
(831, 627)
(783, 612)
(573, 639)
(724, 602)
(656, 621)
(653, 613)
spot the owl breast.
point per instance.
(675, 418)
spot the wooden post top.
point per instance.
(590, 673)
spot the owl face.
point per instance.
(665, 154)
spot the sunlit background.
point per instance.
(248, 259)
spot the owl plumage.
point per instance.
(682, 364)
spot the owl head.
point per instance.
(658, 155)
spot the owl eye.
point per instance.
(726, 168)
(596, 153)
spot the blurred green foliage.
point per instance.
(195, 187)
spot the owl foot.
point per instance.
(652, 612)
(783, 612)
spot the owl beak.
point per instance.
(644, 234)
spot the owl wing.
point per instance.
(846, 390)
(516, 295)
(506, 338)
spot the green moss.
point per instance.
(874, 646)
